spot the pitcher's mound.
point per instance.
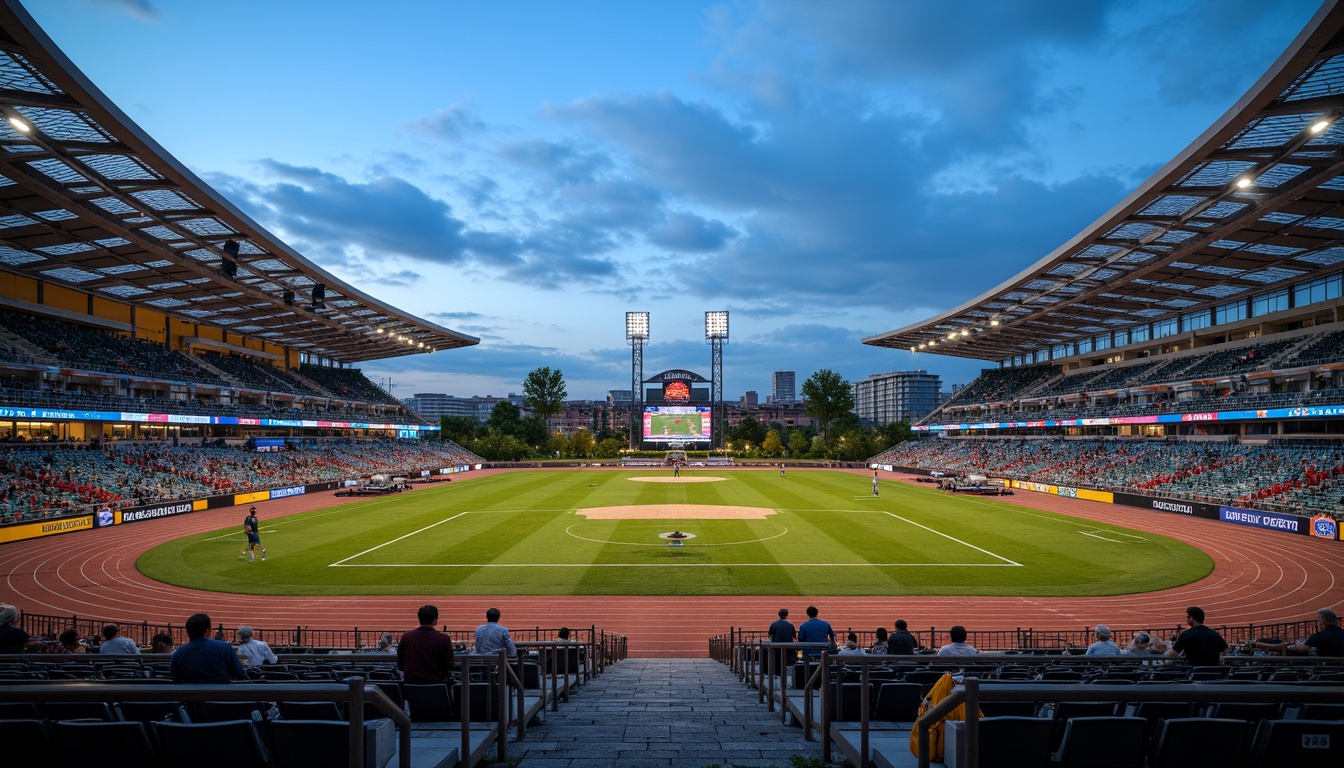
(676, 512)
(675, 479)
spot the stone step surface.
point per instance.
(646, 713)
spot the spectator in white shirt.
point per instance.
(113, 642)
(252, 652)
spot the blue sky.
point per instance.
(527, 172)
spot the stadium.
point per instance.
(1160, 424)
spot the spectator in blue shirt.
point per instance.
(203, 660)
(815, 630)
(491, 636)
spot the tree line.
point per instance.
(508, 435)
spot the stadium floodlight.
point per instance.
(716, 324)
(636, 326)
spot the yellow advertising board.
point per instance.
(42, 528)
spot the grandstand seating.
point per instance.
(1303, 476)
(143, 372)
(52, 480)
(347, 382)
(1198, 381)
(81, 346)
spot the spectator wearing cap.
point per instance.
(1144, 644)
(1329, 641)
(1104, 646)
(253, 652)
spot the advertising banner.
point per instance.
(24, 531)
(1324, 526)
(1274, 521)
(154, 512)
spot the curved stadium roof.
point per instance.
(1256, 202)
(90, 202)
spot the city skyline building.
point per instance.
(784, 387)
(883, 398)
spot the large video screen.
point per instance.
(676, 423)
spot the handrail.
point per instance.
(832, 666)
(355, 693)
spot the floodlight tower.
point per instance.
(636, 333)
(716, 335)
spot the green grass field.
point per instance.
(518, 534)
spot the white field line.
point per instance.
(1008, 564)
(1096, 533)
(954, 538)
(345, 563)
(399, 538)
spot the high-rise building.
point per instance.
(898, 396)
(432, 405)
(783, 387)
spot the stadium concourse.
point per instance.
(1259, 577)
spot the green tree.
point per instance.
(771, 446)
(505, 417)
(797, 444)
(891, 434)
(459, 429)
(497, 446)
(748, 430)
(557, 446)
(532, 430)
(544, 391)
(826, 396)
(608, 448)
(582, 444)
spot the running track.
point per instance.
(1258, 577)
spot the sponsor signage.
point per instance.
(280, 493)
(1325, 527)
(53, 414)
(1256, 519)
(152, 513)
(41, 528)
(1174, 506)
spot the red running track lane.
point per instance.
(1259, 576)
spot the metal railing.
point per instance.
(354, 693)
(736, 645)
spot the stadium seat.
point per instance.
(80, 710)
(95, 743)
(898, 702)
(19, 710)
(1005, 742)
(303, 743)
(227, 744)
(1067, 710)
(1321, 712)
(1102, 742)
(27, 742)
(1187, 741)
(1250, 711)
(430, 703)
(1298, 744)
(152, 711)
(1154, 712)
(310, 710)
(223, 711)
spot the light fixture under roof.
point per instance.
(1320, 125)
(20, 124)
(1244, 182)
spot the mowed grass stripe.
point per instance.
(517, 533)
